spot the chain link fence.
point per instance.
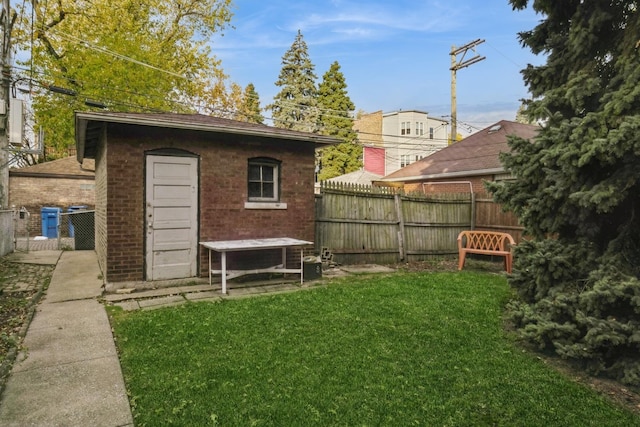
(72, 230)
(79, 228)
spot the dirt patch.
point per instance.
(451, 264)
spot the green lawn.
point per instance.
(398, 350)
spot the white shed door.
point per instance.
(171, 217)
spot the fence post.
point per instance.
(401, 234)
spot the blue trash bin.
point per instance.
(74, 209)
(50, 217)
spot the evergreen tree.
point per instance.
(296, 105)
(336, 119)
(249, 109)
(577, 187)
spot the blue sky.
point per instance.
(394, 54)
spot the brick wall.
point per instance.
(36, 192)
(369, 128)
(223, 191)
(450, 185)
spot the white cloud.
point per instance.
(380, 19)
(337, 21)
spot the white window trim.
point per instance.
(276, 182)
(265, 205)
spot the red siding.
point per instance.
(374, 160)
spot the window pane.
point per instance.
(268, 190)
(267, 173)
(254, 172)
(255, 189)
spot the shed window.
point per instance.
(264, 180)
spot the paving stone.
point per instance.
(128, 305)
(198, 288)
(169, 304)
(146, 303)
(208, 295)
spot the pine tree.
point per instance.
(577, 186)
(336, 119)
(296, 105)
(249, 110)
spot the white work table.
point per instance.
(224, 246)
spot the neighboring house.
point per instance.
(58, 183)
(463, 166)
(397, 139)
(165, 182)
(359, 177)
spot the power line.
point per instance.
(404, 140)
(115, 54)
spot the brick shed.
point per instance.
(165, 182)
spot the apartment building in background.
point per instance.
(397, 139)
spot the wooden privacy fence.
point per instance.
(490, 216)
(364, 224)
(360, 224)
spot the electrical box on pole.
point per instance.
(16, 122)
(455, 66)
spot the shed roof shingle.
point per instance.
(67, 166)
(88, 125)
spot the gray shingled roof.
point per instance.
(88, 125)
(478, 154)
(67, 166)
(360, 176)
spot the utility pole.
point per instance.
(6, 22)
(455, 66)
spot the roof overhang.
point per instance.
(89, 126)
(445, 175)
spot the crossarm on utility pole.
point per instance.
(455, 66)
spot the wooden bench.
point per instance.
(485, 243)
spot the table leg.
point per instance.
(223, 261)
(301, 266)
(209, 267)
(284, 257)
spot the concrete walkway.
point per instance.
(70, 373)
